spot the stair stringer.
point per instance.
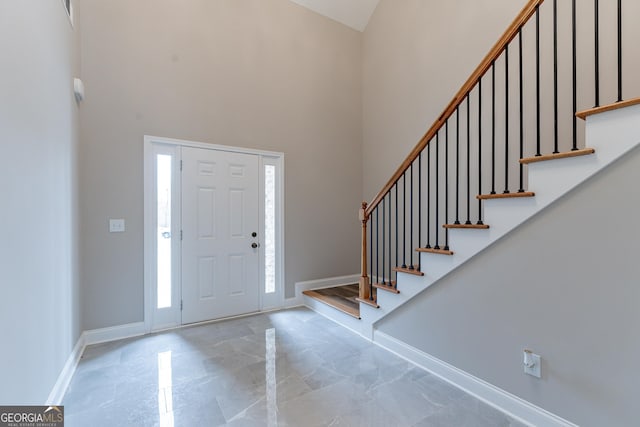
(612, 134)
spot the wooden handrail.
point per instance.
(511, 32)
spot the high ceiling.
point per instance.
(353, 13)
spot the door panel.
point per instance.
(206, 277)
(220, 210)
(237, 282)
(206, 202)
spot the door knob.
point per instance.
(254, 234)
(255, 245)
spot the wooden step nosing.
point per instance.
(555, 156)
(466, 226)
(609, 107)
(505, 195)
(415, 271)
(435, 251)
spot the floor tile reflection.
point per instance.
(286, 368)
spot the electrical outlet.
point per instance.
(532, 364)
(116, 226)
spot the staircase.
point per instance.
(498, 154)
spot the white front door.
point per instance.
(220, 241)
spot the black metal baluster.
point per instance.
(371, 281)
(437, 246)
(493, 127)
(619, 50)
(457, 221)
(446, 184)
(506, 120)
(404, 219)
(390, 252)
(411, 223)
(479, 150)
(384, 234)
(377, 250)
(468, 222)
(521, 189)
(419, 205)
(396, 185)
(371, 248)
(575, 74)
(555, 76)
(428, 196)
(538, 81)
(596, 25)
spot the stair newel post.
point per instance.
(364, 290)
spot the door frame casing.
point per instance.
(267, 302)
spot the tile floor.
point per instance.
(286, 368)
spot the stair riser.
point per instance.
(388, 299)
(388, 302)
(337, 316)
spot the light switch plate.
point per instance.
(116, 226)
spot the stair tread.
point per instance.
(408, 270)
(505, 195)
(616, 105)
(334, 300)
(469, 226)
(389, 288)
(564, 155)
(435, 251)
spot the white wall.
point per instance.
(39, 295)
(565, 285)
(264, 74)
(416, 55)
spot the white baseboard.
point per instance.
(293, 302)
(64, 379)
(326, 282)
(97, 336)
(94, 336)
(319, 284)
(502, 400)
